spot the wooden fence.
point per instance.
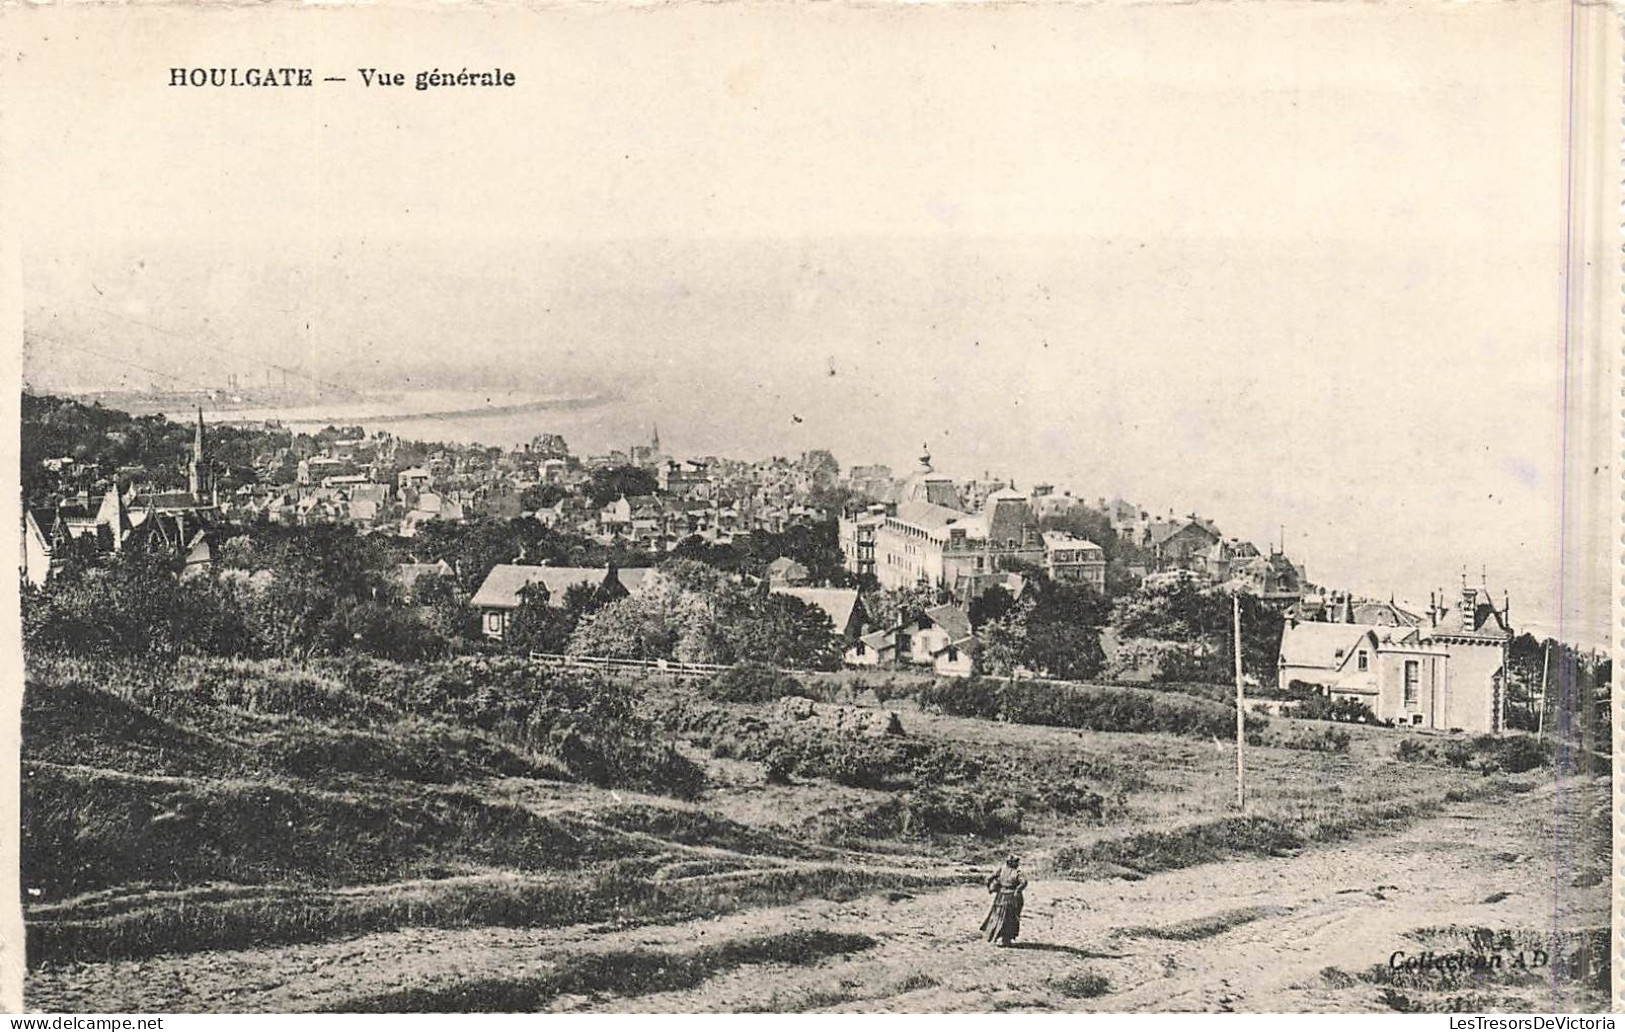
(659, 666)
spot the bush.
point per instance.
(1412, 751)
(1087, 707)
(1487, 754)
(1321, 707)
(1329, 740)
(779, 764)
(1513, 754)
(961, 811)
(752, 682)
(1049, 782)
(1153, 851)
(963, 697)
(595, 727)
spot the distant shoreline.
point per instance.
(477, 411)
(295, 415)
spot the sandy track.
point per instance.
(1346, 907)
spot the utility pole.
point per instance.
(1241, 713)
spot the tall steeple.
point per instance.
(197, 470)
(654, 440)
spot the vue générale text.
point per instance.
(432, 78)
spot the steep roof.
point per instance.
(838, 603)
(784, 565)
(1054, 539)
(1162, 532)
(1485, 621)
(951, 619)
(1380, 613)
(880, 641)
(408, 573)
(1317, 644)
(930, 516)
(503, 584)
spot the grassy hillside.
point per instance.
(227, 804)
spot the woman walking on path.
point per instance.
(1006, 884)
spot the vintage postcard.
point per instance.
(787, 507)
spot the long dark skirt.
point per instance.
(1004, 919)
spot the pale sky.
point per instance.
(1280, 263)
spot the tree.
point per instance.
(1043, 635)
(537, 626)
(472, 548)
(1071, 652)
(722, 557)
(816, 546)
(1085, 522)
(1002, 644)
(540, 496)
(782, 631)
(445, 610)
(1181, 610)
(1075, 604)
(992, 605)
(134, 605)
(892, 607)
(612, 482)
(658, 622)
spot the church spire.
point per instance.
(196, 471)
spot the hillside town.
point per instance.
(921, 570)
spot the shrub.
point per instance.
(84, 831)
(1412, 751)
(1320, 707)
(1153, 851)
(1088, 707)
(1331, 740)
(1514, 754)
(1049, 782)
(425, 753)
(779, 764)
(595, 727)
(963, 697)
(752, 682)
(1487, 754)
(1459, 754)
(961, 811)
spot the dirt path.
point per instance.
(1345, 907)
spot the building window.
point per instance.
(953, 654)
(493, 622)
(1413, 676)
(1365, 660)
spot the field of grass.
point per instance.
(236, 804)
